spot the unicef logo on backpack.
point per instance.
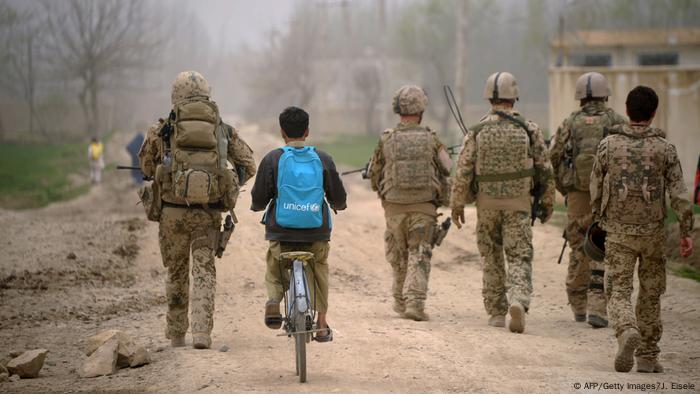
(308, 207)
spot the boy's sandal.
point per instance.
(273, 317)
(324, 338)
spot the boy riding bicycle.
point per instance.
(295, 186)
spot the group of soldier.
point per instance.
(612, 172)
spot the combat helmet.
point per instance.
(594, 244)
(189, 84)
(501, 85)
(409, 100)
(591, 85)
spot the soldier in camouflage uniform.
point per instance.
(572, 155)
(503, 161)
(409, 171)
(634, 169)
(190, 228)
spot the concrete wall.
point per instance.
(679, 107)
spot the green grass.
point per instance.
(671, 217)
(34, 175)
(350, 151)
(688, 272)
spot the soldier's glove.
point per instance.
(458, 216)
(686, 246)
(545, 213)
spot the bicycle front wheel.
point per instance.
(300, 345)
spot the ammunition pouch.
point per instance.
(152, 203)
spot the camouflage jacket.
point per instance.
(672, 183)
(440, 160)
(558, 153)
(239, 153)
(464, 188)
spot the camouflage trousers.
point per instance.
(182, 231)
(277, 277)
(584, 279)
(621, 254)
(499, 231)
(407, 247)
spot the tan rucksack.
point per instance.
(634, 193)
(410, 175)
(504, 164)
(195, 146)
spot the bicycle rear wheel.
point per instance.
(300, 345)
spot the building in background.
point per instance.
(668, 61)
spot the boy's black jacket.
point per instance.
(265, 192)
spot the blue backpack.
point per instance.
(300, 193)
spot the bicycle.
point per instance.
(300, 317)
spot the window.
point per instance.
(658, 59)
(591, 60)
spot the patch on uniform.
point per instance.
(591, 119)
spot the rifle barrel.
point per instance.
(128, 168)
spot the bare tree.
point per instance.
(20, 34)
(368, 83)
(97, 43)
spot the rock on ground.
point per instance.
(28, 364)
(14, 378)
(4, 377)
(102, 361)
(125, 349)
(140, 357)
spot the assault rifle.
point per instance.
(563, 248)
(132, 168)
(441, 232)
(364, 171)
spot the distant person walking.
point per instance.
(97, 162)
(133, 148)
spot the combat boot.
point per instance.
(627, 343)
(646, 365)
(597, 321)
(579, 317)
(497, 321)
(201, 340)
(517, 318)
(178, 341)
(415, 313)
(399, 306)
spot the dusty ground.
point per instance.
(116, 281)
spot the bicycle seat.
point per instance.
(291, 256)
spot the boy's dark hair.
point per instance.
(642, 103)
(294, 121)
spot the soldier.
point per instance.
(503, 161)
(187, 156)
(572, 155)
(409, 171)
(633, 170)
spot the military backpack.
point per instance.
(194, 164)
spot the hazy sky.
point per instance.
(231, 23)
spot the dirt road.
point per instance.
(115, 280)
